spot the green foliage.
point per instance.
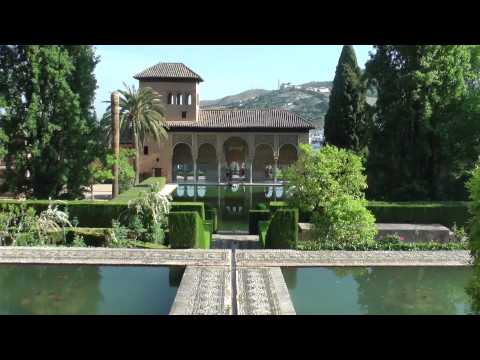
(126, 174)
(283, 230)
(346, 118)
(262, 232)
(199, 207)
(473, 186)
(425, 132)
(150, 212)
(137, 190)
(275, 205)
(445, 213)
(329, 184)
(142, 115)
(186, 231)
(48, 93)
(254, 217)
(345, 220)
(377, 246)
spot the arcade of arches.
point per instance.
(219, 158)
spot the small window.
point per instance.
(170, 99)
(184, 114)
(179, 99)
(189, 99)
(145, 150)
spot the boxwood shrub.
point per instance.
(254, 216)
(283, 230)
(198, 207)
(186, 230)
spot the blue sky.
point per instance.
(225, 69)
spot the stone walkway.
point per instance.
(231, 282)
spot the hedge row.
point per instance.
(281, 232)
(445, 213)
(186, 231)
(254, 216)
(198, 207)
(364, 246)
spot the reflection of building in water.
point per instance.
(206, 145)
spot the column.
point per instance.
(195, 171)
(275, 166)
(251, 171)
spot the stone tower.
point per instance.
(178, 87)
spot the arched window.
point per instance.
(170, 99)
(189, 99)
(179, 99)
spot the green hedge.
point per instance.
(283, 230)
(254, 216)
(445, 213)
(89, 213)
(262, 232)
(211, 214)
(186, 231)
(198, 207)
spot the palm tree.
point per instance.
(141, 114)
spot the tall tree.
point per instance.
(426, 129)
(142, 115)
(346, 118)
(49, 118)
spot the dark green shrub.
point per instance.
(444, 213)
(186, 230)
(96, 237)
(283, 230)
(254, 216)
(198, 207)
(262, 206)
(212, 215)
(262, 232)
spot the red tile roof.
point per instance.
(168, 71)
(244, 119)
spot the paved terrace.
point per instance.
(226, 282)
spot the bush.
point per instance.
(254, 216)
(283, 230)
(444, 213)
(186, 231)
(262, 232)
(345, 220)
(377, 246)
(198, 207)
(275, 205)
(473, 186)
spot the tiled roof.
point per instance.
(245, 119)
(168, 71)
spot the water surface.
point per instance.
(379, 290)
(87, 289)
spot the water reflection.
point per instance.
(77, 290)
(380, 290)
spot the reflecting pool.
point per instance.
(379, 290)
(232, 202)
(87, 289)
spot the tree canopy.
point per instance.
(49, 118)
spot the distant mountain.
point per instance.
(233, 99)
(307, 103)
(305, 100)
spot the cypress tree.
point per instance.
(346, 119)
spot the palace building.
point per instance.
(213, 145)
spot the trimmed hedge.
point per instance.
(254, 216)
(89, 213)
(445, 213)
(283, 230)
(198, 207)
(135, 191)
(186, 231)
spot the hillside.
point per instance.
(306, 103)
